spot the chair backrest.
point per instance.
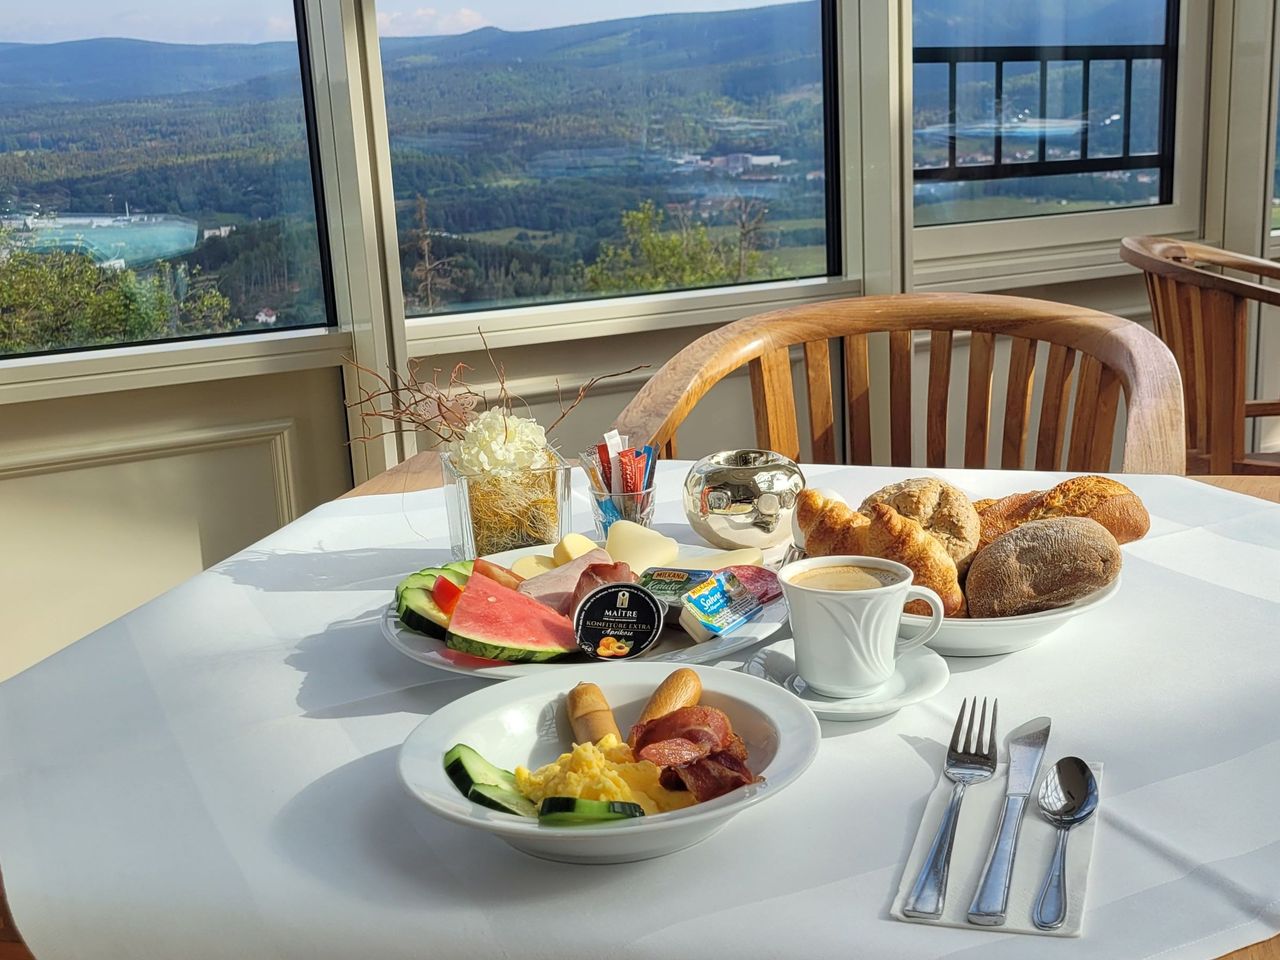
(1101, 353)
(1201, 314)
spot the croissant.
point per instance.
(891, 536)
(830, 528)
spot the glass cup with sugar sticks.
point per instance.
(607, 506)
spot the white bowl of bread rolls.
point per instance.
(1010, 571)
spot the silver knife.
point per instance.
(1026, 749)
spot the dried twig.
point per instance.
(584, 390)
(444, 411)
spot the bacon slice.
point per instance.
(597, 575)
(695, 724)
(669, 753)
(710, 777)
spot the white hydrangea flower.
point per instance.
(500, 444)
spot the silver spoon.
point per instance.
(1068, 796)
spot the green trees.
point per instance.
(654, 258)
(60, 300)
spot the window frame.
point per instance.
(310, 89)
(587, 318)
(1004, 254)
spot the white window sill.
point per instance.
(548, 323)
(984, 272)
(24, 379)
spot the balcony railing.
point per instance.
(1041, 137)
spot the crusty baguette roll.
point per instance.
(942, 510)
(681, 689)
(590, 715)
(831, 528)
(891, 536)
(1107, 501)
(981, 505)
(1041, 565)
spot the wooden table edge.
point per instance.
(423, 472)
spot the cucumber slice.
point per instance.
(466, 769)
(458, 571)
(418, 611)
(422, 580)
(498, 798)
(415, 606)
(565, 811)
(483, 783)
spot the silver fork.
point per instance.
(972, 763)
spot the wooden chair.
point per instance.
(1201, 315)
(1105, 353)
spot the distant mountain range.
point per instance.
(108, 69)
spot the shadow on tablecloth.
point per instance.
(310, 570)
(349, 670)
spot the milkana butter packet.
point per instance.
(717, 606)
(669, 584)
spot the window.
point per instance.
(1023, 109)
(536, 158)
(156, 185)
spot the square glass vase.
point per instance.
(489, 514)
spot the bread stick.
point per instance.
(681, 689)
(590, 715)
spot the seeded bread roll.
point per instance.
(1041, 565)
(1107, 501)
(942, 510)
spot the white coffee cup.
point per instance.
(846, 641)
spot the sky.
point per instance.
(253, 21)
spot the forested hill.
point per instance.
(111, 68)
(122, 69)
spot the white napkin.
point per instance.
(978, 817)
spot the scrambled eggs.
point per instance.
(604, 771)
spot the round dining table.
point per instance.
(214, 774)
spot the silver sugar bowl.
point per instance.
(742, 498)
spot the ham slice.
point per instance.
(597, 575)
(555, 587)
(761, 582)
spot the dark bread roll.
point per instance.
(1041, 565)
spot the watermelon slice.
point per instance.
(495, 622)
(498, 574)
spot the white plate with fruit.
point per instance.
(496, 617)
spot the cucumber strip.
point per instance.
(566, 811)
(498, 798)
(466, 768)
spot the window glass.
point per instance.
(557, 151)
(155, 174)
(1035, 108)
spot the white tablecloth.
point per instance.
(213, 774)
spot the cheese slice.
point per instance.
(639, 547)
(573, 546)
(532, 565)
(718, 559)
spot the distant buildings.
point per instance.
(225, 231)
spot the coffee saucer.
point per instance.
(921, 674)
